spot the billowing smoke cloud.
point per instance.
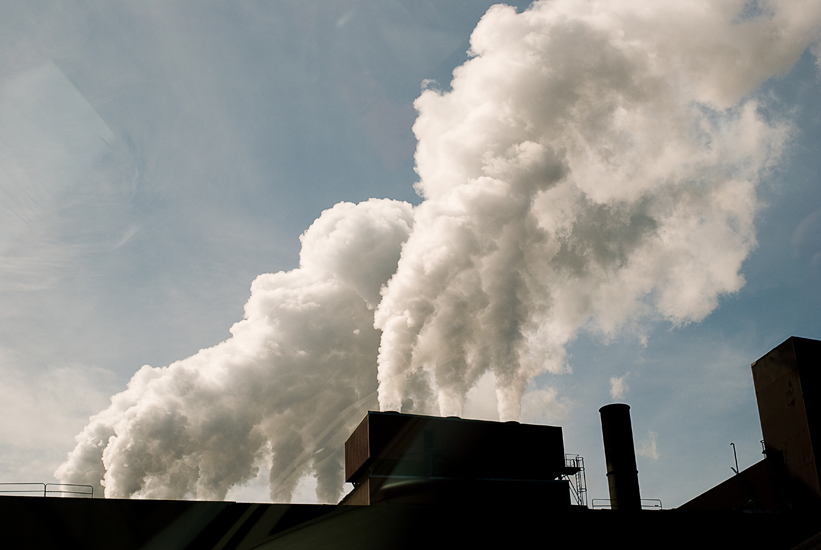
(594, 164)
(289, 385)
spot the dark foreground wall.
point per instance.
(36, 522)
(29, 522)
(788, 392)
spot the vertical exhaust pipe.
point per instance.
(620, 456)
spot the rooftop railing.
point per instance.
(47, 489)
(646, 503)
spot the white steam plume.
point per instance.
(595, 162)
(292, 382)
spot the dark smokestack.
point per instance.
(620, 456)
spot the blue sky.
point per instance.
(156, 157)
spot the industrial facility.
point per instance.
(435, 482)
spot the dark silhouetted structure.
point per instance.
(620, 457)
(426, 459)
(427, 482)
(788, 392)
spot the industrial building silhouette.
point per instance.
(439, 482)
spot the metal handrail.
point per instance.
(90, 488)
(646, 506)
(646, 503)
(43, 489)
(578, 485)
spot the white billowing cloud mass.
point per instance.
(594, 164)
(290, 384)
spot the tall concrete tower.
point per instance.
(788, 390)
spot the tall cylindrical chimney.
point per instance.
(620, 456)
